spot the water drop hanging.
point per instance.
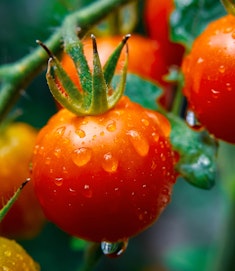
(192, 121)
(114, 249)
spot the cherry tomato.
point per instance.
(14, 257)
(209, 79)
(25, 218)
(105, 177)
(156, 14)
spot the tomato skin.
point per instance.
(14, 257)
(107, 177)
(144, 57)
(156, 15)
(209, 78)
(25, 218)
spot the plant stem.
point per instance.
(92, 256)
(225, 248)
(17, 76)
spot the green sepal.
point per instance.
(97, 97)
(11, 201)
(111, 63)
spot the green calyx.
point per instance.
(96, 95)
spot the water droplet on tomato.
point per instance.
(81, 156)
(155, 136)
(145, 122)
(87, 192)
(215, 93)
(200, 60)
(228, 29)
(139, 143)
(221, 68)
(80, 133)
(102, 133)
(109, 163)
(111, 126)
(48, 161)
(228, 87)
(60, 130)
(113, 250)
(192, 120)
(57, 152)
(59, 181)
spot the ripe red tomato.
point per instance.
(14, 257)
(145, 58)
(25, 218)
(156, 14)
(105, 177)
(209, 78)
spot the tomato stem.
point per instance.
(229, 6)
(17, 76)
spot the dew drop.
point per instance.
(109, 163)
(57, 152)
(111, 127)
(200, 60)
(139, 143)
(228, 87)
(80, 133)
(215, 93)
(59, 181)
(113, 250)
(81, 156)
(221, 68)
(87, 192)
(155, 136)
(192, 121)
(145, 122)
(60, 130)
(7, 253)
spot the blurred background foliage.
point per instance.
(187, 236)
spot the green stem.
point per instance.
(223, 259)
(17, 76)
(92, 255)
(229, 6)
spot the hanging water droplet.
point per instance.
(192, 121)
(228, 87)
(114, 249)
(109, 163)
(81, 156)
(139, 143)
(111, 127)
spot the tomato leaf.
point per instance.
(198, 152)
(191, 17)
(142, 91)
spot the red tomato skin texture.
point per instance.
(104, 178)
(209, 78)
(157, 14)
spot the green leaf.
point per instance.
(198, 153)
(77, 244)
(191, 17)
(142, 91)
